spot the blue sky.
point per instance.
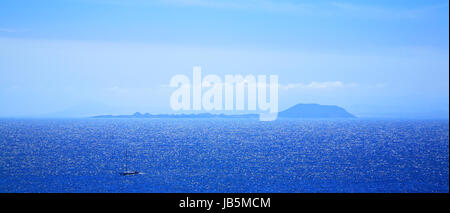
(83, 57)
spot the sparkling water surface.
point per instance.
(224, 155)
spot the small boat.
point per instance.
(129, 173)
(126, 172)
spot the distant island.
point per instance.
(315, 111)
(298, 111)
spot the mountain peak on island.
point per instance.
(315, 111)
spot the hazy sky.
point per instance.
(84, 57)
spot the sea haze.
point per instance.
(224, 155)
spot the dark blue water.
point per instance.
(184, 155)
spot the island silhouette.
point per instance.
(297, 111)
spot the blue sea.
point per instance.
(224, 155)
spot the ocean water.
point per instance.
(224, 155)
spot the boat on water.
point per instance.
(127, 172)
